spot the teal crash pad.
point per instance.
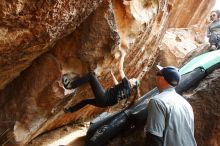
(205, 61)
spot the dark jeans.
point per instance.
(214, 39)
(100, 100)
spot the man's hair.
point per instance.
(217, 12)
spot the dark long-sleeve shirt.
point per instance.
(119, 91)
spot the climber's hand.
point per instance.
(122, 49)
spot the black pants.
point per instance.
(100, 100)
(152, 140)
(214, 39)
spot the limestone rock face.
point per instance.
(31, 98)
(42, 40)
(36, 96)
(176, 44)
(29, 28)
(186, 13)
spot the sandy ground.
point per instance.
(70, 135)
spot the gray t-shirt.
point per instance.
(170, 116)
(213, 28)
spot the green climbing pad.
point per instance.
(205, 61)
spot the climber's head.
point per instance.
(215, 15)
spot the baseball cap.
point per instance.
(170, 74)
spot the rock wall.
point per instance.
(30, 28)
(186, 13)
(42, 40)
(206, 105)
(37, 95)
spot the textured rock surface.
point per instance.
(186, 13)
(31, 97)
(37, 96)
(42, 40)
(29, 28)
(175, 46)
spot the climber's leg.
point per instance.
(98, 91)
(72, 83)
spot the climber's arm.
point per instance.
(114, 79)
(121, 62)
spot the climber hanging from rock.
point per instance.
(103, 98)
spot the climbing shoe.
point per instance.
(67, 80)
